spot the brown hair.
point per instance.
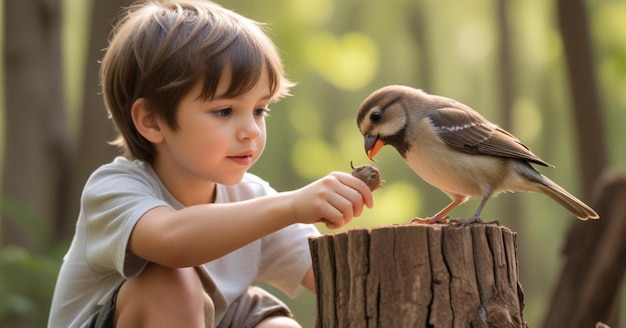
(159, 50)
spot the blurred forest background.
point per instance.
(552, 72)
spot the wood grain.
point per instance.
(418, 276)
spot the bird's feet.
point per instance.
(431, 220)
(472, 220)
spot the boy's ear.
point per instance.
(146, 122)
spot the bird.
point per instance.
(455, 149)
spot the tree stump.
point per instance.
(418, 276)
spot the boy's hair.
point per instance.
(159, 50)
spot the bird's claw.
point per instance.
(472, 220)
(431, 220)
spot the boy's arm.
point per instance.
(199, 234)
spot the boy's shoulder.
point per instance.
(122, 170)
(123, 165)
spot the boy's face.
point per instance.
(217, 140)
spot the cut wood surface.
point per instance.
(418, 276)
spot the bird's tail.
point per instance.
(567, 200)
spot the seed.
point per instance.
(368, 174)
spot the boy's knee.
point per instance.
(160, 289)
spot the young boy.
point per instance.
(174, 233)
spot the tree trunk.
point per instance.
(588, 289)
(35, 168)
(418, 276)
(592, 151)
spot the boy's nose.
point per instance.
(250, 129)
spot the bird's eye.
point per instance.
(375, 117)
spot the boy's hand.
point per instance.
(334, 200)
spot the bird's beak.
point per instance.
(372, 145)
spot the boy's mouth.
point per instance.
(248, 153)
(243, 158)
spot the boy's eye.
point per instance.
(262, 112)
(224, 112)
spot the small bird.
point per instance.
(455, 149)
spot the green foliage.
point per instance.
(348, 62)
(27, 277)
(26, 285)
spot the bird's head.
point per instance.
(382, 119)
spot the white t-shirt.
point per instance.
(98, 261)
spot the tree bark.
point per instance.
(418, 276)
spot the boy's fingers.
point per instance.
(358, 185)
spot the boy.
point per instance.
(174, 233)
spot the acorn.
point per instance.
(368, 174)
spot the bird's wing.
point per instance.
(468, 131)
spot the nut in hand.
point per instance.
(368, 174)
